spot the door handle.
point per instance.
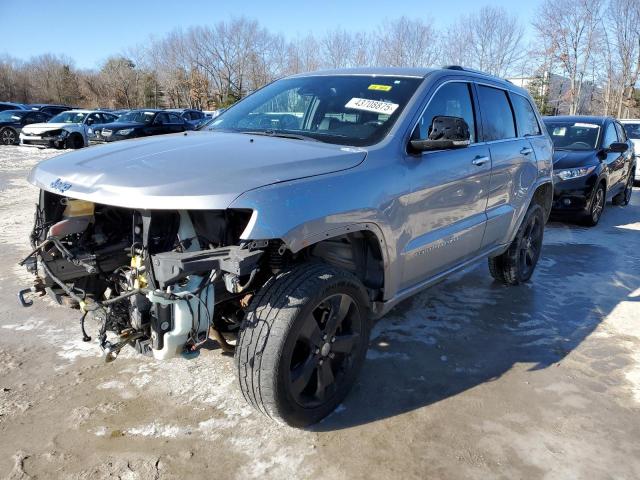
(526, 151)
(479, 161)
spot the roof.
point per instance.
(379, 71)
(81, 110)
(413, 73)
(630, 120)
(47, 105)
(16, 111)
(597, 119)
(20, 106)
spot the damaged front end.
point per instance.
(52, 138)
(162, 280)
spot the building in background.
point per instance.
(551, 93)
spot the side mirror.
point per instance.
(617, 147)
(445, 133)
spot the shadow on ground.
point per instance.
(470, 330)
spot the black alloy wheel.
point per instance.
(597, 206)
(517, 264)
(530, 246)
(8, 136)
(324, 350)
(302, 343)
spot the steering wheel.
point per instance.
(288, 122)
(580, 144)
(374, 123)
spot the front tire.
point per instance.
(8, 136)
(75, 141)
(517, 264)
(597, 206)
(302, 343)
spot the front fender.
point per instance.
(306, 211)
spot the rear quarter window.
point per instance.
(526, 119)
(497, 116)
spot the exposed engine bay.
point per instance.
(162, 281)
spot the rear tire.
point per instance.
(302, 343)
(624, 197)
(8, 136)
(517, 264)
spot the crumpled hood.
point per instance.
(572, 159)
(636, 146)
(198, 170)
(40, 128)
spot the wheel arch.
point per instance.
(358, 248)
(543, 196)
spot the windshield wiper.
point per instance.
(274, 133)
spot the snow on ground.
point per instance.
(469, 379)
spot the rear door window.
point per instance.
(622, 135)
(161, 119)
(497, 116)
(451, 100)
(526, 119)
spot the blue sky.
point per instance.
(89, 32)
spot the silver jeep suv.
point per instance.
(305, 210)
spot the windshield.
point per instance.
(569, 135)
(136, 117)
(10, 116)
(633, 130)
(345, 110)
(68, 117)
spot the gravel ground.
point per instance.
(467, 380)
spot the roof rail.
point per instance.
(471, 70)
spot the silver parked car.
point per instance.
(313, 205)
(69, 129)
(632, 127)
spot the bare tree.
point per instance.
(337, 47)
(121, 81)
(406, 43)
(624, 18)
(489, 40)
(571, 29)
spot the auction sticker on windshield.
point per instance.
(374, 106)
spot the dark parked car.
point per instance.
(141, 123)
(12, 121)
(11, 106)
(50, 109)
(192, 116)
(593, 162)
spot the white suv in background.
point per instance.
(70, 129)
(632, 126)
